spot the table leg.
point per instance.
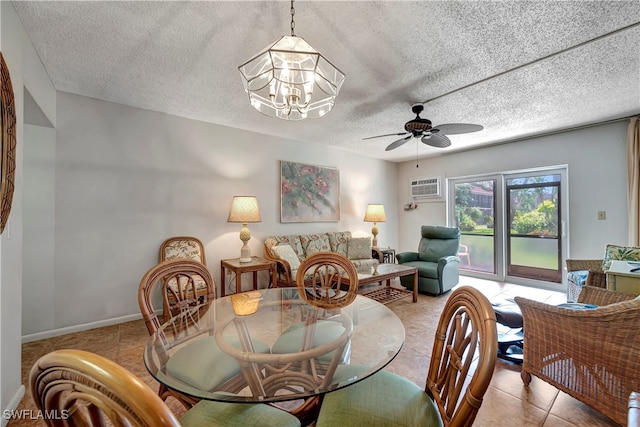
(238, 282)
(274, 276)
(415, 286)
(255, 280)
(223, 281)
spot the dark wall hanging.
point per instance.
(8, 146)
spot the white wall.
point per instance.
(126, 179)
(38, 274)
(597, 182)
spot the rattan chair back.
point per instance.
(186, 307)
(79, 388)
(185, 272)
(327, 280)
(466, 331)
(182, 247)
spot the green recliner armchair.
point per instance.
(436, 260)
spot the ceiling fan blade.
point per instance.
(436, 140)
(456, 128)
(398, 143)
(389, 134)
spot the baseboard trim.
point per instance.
(79, 328)
(12, 405)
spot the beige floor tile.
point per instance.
(572, 410)
(506, 377)
(133, 334)
(501, 409)
(411, 365)
(553, 421)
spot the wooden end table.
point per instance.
(256, 264)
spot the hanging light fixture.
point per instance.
(291, 80)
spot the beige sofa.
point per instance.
(358, 250)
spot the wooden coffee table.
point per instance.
(386, 272)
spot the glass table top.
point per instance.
(244, 347)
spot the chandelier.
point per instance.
(291, 80)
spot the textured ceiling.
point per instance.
(518, 68)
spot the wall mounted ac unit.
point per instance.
(425, 187)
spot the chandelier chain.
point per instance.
(293, 24)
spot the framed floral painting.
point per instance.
(309, 193)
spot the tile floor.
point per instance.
(506, 403)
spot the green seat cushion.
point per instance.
(291, 340)
(384, 399)
(203, 365)
(220, 414)
(425, 268)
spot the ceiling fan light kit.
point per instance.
(291, 80)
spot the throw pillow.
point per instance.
(359, 248)
(619, 253)
(286, 253)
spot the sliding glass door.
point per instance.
(510, 224)
(475, 207)
(533, 243)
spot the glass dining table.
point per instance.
(271, 345)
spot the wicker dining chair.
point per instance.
(79, 388)
(327, 281)
(182, 247)
(462, 363)
(321, 278)
(592, 355)
(185, 272)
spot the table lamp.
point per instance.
(244, 209)
(375, 213)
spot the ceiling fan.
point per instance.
(434, 136)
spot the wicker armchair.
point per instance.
(584, 272)
(592, 355)
(596, 278)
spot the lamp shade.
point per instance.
(245, 303)
(244, 209)
(375, 213)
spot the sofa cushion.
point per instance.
(359, 248)
(338, 241)
(286, 253)
(369, 262)
(313, 243)
(293, 241)
(619, 253)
